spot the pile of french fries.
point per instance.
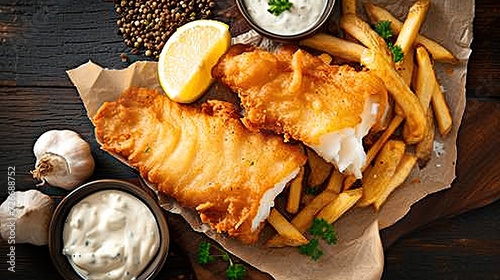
(409, 134)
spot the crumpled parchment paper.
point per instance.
(359, 253)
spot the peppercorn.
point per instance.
(147, 25)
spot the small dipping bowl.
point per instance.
(287, 26)
(56, 243)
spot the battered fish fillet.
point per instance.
(202, 157)
(291, 92)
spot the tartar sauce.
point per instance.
(110, 235)
(302, 15)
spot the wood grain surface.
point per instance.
(41, 39)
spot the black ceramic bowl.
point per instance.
(58, 219)
(309, 31)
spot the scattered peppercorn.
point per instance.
(146, 25)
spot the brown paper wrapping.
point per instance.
(358, 254)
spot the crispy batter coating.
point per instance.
(202, 157)
(294, 93)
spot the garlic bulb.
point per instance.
(63, 159)
(25, 217)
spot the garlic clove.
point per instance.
(63, 159)
(25, 217)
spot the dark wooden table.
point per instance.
(441, 238)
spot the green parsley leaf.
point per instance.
(276, 7)
(235, 271)
(397, 52)
(383, 28)
(311, 249)
(203, 253)
(321, 228)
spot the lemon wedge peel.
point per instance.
(186, 60)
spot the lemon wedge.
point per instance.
(186, 60)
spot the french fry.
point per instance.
(335, 182)
(441, 111)
(399, 90)
(294, 193)
(348, 7)
(361, 30)
(278, 241)
(424, 85)
(411, 26)
(425, 77)
(375, 148)
(378, 176)
(334, 46)
(348, 182)
(303, 220)
(438, 52)
(343, 202)
(319, 169)
(407, 36)
(291, 236)
(424, 148)
(402, 171)
(307, 198)
(405, 68)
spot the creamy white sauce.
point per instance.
(302, 15)
(110, 235)
(344, 148)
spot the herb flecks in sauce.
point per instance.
(107, 234)
(297, 18)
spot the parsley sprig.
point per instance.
(397, 52)
(234, 271)
(311, 249)
(320, 229)
(276, 7)
(383, 28)
(323, 229)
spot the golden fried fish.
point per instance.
(202, 157)
(329, 108)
